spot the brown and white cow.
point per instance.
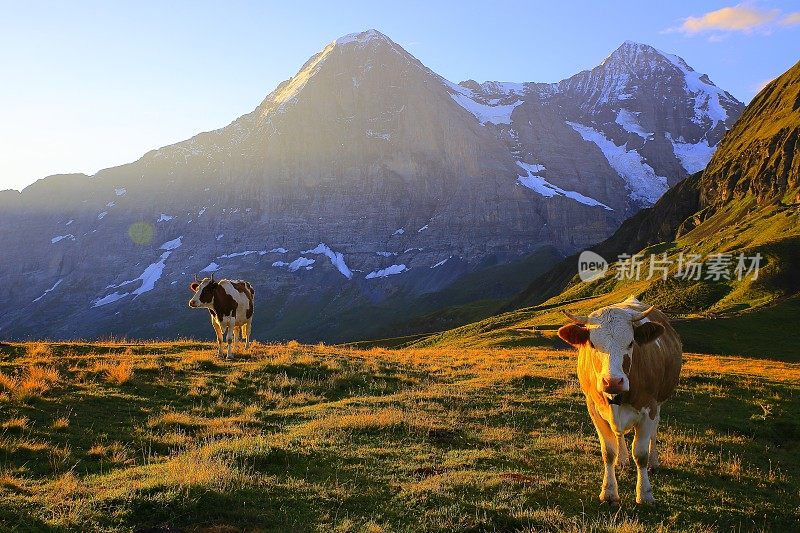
(230, 304)
(629, 360)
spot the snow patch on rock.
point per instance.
(707, 96)
(492, 111)
(58, 238)
(361, 38)
(173, 244)
(629, 121)
(301, 262)
(388, 271)
(148, 278)
(541, 186)
(212, 267)
(51, 289)
(240, 254)
(642, 183)
(337, 259)
(693, 157)
(443, 261)
(111, 298)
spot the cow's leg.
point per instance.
(624, 458)
(643, 434)
(246, 335)
(235, 336)
(218, 331)
(229, 337)
(654, 463)
(609, 447)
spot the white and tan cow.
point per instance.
(629, 360)
(230, 304)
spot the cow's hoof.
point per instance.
(646, 499)
(611, 499)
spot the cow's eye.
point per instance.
(630, 345)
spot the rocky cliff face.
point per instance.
(752, 179)
(643, 121)
(759, 156)
(364, 177)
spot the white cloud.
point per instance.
(791, 19)
(736, 18)
(741, 18)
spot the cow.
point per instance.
(230, 304)
(629, 360)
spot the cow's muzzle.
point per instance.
(613, 385)
(192, 303)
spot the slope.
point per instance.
(745, 204)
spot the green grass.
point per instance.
(296, 438)
(761, 333)
(767, 331)
(733, 317)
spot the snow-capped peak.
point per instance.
(636, 56)
(361, 38)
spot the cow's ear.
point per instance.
(575, 334)
(647, 332)
(193, 286)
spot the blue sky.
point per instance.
(87, 85)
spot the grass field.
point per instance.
(165, 437)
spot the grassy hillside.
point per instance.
(294, 438)
(747, 201)
(706, 308)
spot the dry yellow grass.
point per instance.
(60, 423)
(116, 452)
(118, 372)
(196, 468)
(314, 437)
(38, 350)
(17, 422)
(34, 381)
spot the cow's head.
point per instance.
(607, 337)
(203, 290)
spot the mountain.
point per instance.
(746, 202)
(356, 192)
(649, 119)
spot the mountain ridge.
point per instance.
(408, 180)
(744, 206)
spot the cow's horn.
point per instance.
(212, 276)
(639, 316)
(195, 278)
(577, 318)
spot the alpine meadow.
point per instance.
(382, 300)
